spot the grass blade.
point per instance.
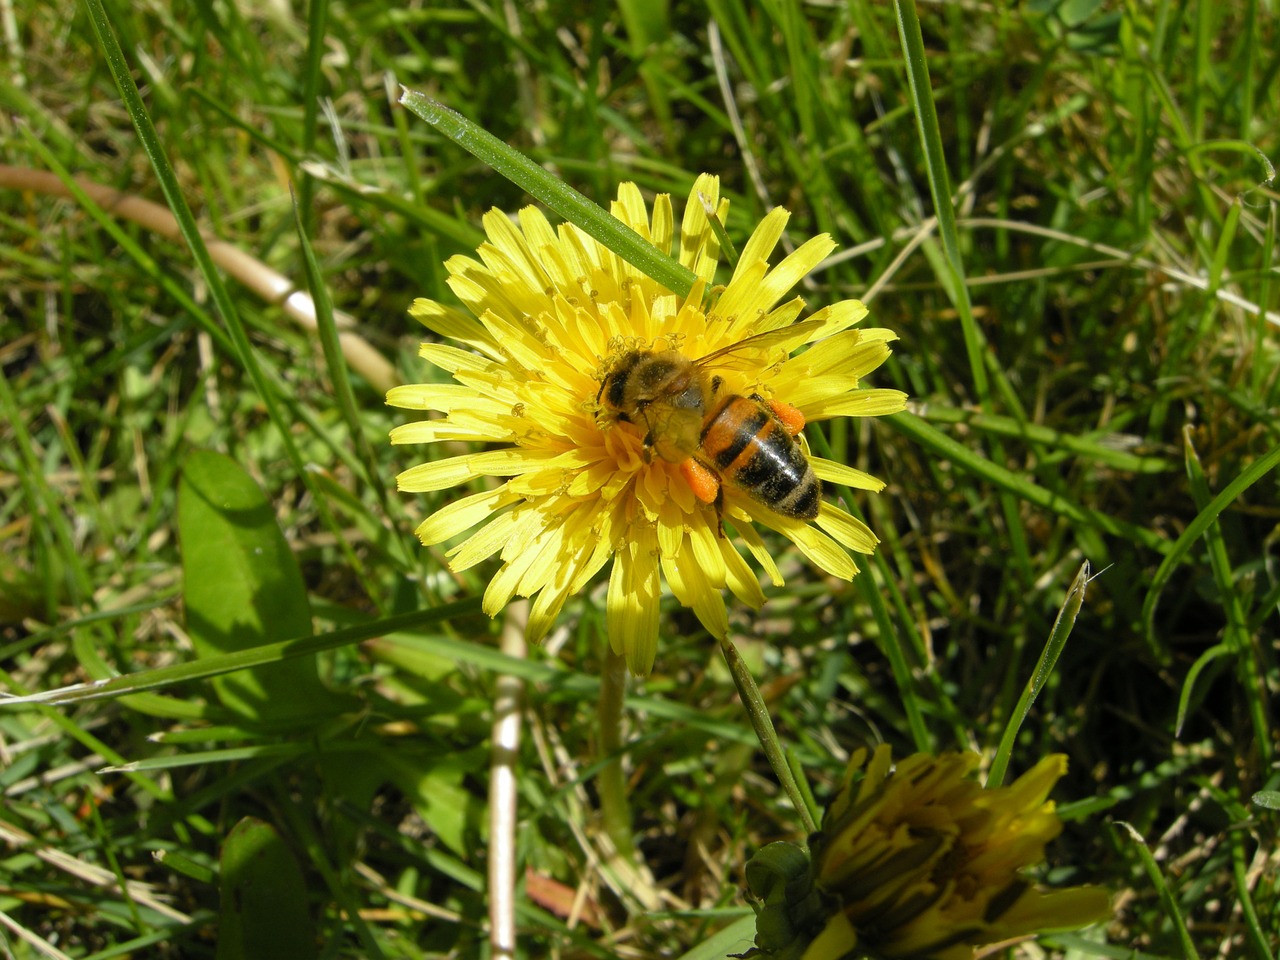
(1236, 633)
(216, 666)
(336, 365)
(1197, 529)
(1040, 676)
(556, 194)
(1170, 902)
(926, 112)
(317, 24)
(943, 446)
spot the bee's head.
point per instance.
(615, 376)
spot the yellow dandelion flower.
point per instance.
(551, 315)
(920, 862)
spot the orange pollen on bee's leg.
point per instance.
(702, 481)
(788, 416)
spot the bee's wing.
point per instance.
(762, 341)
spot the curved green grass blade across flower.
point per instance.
(552, 191)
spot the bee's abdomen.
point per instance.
(753, 451)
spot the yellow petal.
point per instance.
(848, 530)
(859, 403)
(451, 359)
(837, 941)
(518, 342)
(543, 612)
(784, 316)
(739, 305)
(692, 589)
(845, 476)
(739, 577)
(663, 228)
(580, 255)
(601, 551)
(460, 515)
(820, 549)
(537, 230)
(503, 585)
(551, 558)
(436, 475)
(794, 267)
(631, 608)
(1031, 789)
(698, 246)
(760, 245)
(707, 555)
(751, 538)
(849, 352)
(433, 431)
(484, 543)
(479, 291)
(551, 597)
(1047, 911)
(439, 474)
(838, 316)
(670, 536)
(511, 241)
(453, 324)
(442, 397)
(630, 209)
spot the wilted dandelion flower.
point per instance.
(921, 862)
(551, 314)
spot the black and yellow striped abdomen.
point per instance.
(752, 451)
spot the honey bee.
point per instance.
(717, 438)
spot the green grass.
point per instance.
(1091, 380)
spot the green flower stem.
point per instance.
(615, 809)
(758, 711)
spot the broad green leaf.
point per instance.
(734, 940)
(243, 589)
(435, 783)
(264, 898)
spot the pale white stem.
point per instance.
(503, 795)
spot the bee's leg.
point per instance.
(702, 480)
(706, 486)
(649, 439)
